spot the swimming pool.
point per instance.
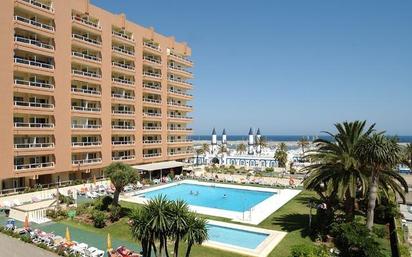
(237, 237)
(225, 198)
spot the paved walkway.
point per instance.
(12, 247)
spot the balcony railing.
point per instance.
(150, 100)
(86, 144)
(86, 74)
(40, 5)
(131, 142)
(122, 50)
(34, 23)
(86, 22)
(155, 87)
(122, 35)
(174, 116)
(124, 66)
(181, 58)
(175, 68)
(33, 125)
(152, 46)
(152, 74)
(124, 112)
(123, 81)
(33, 166)
(33, 145)
(86, 161)
(86, 56)
(180, 81)
(152, 60)
(178, 92)
(180, 153)
(151, 142)
(86, 109)
(86, 91)
(151, 155)
(33, 42)
(123, 158)
(86, 126)
(33, 84)
(180, 141)
(155, 128)
(122, 96)
(33, 63)
(179, 105)
(33, 104)
(86, 39)
(127, 127)
(179, 129)
(152, 114)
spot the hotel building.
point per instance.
(82, 87)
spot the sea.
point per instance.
(280, 138)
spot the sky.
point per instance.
(291, 67)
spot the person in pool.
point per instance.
(224, 195)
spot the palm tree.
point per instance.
(140, 230)
(196, 232)
(262, 142)
(179, 212)
(281, 155)
(199, 151)
(303, 143)
(407, 157)
(241, 148)
(205, 148)
(335, 172)
(120, 175)
(380, 155)
(283, 146)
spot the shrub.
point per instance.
(380, 231)
(83, 208)
(102, 203)
(308, 250)
(355, 240)
(115, 212)
(269, 169)
(68, 200)
(25, 238)
(99, 219)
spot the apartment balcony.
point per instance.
(180, 94)
(152, 47)
(182, 141)
(179, 82)
(86, 127)
(36, 6)
(123, 67)
(88, 58)
(152, 75)
(179, 131)
(181, 71)
(181, 59)
(123, 81)
(34, 44)
(86, 109)
(42, 28)
(151, 101)
(123, 127)
(87, 41)
(124, 52)
(92, 161)
(123, 112)
(33, 125)
(152, 87)
(149, 60)
(179, 117)
(152, 155)
(180, 153)
(34, 166)
(38, 65)
(123, 143)
(31, 107)
(34, 146)
(152, 116)
(152, 128)
(179, 106)
(33, 85)
(86, 91)
(124, 37)
(123, 97)
(123, 158)
(85, 23)
(152, 142)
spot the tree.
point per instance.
(196, 232)
(262, 142)
(199, 151)
(205, 148)
(241, 148)
(380, 155)
(281, 155)
(407, 155)
(335, 171)
(141, 231)
(179, 212)
(303, 143)
(120, 175)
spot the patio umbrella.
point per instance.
(26, 222)
(109, 242)
(68, 239)
(94, 179)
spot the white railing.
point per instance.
(179, 105)
(33, 63)
(86, 161)
(87, 73)
(179, 116)
(122, 96)
(179, 69)
(180, 141)
(126, 112)
(33, 125)
(152, 141)
(85, 144)
(181, 58)
(122, 158)
(122, 35)
(86, 22)
(152, 46)
(86, 56)
(34, 23)
(33, 42)
(33, 84)
(124, 66)
(152, 114)
(33, 104)
(180, 153)
(179, 129)
(149, 100)
(127, 127)
(86, 109)
(86, 91)
(151, 155)
(178, 92)
(123, 142)
(152, 74)
(32, 166)
(86, 39)
(86, 126)
(33, 145)
(38, 4)
(179, 81)
(123, 81)
(155, 87)
(122, 50)
(152, 128)
(152, 60)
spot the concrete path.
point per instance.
(12, 247)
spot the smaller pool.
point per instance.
(236, 237)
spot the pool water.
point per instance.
(224, 198)
(236, 237)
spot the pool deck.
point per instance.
(253, 216)
(262, 250)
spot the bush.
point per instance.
(83, 208)
(102, 203)
(25, 238)
(68, 200)
(308, 250)
(99, 219)
(380, 231)
(269, 170)
(355, 240)
(115, 212)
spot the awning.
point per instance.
(159, 166)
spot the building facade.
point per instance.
(82, 87)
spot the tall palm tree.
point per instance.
(205, 148)
(335, 172)
(282, 146)
(281, 155)
(262, 142)
(199, 151)
(141, 231)
(222, 150)
(241, 148)
(196, 232)
(380, 155)
(120, 175)
(179, 212)
(303, 143)
(407, 157)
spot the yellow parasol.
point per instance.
(26, 222)
(68, 239)
(109, 242)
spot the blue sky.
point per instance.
(290, 67)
